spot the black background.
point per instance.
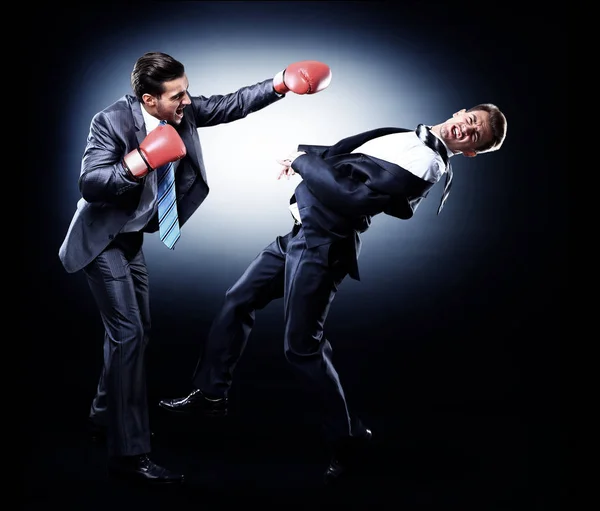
(465, 415)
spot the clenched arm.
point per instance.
(103, 177)
(220, 109)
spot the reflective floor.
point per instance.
(268, 452)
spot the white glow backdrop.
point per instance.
(384, 72)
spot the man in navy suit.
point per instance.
(387, 170)
(126, 147)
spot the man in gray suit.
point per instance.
(120, 187)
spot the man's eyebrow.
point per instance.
(178, 95)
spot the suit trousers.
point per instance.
(118, 279)
(307, 280)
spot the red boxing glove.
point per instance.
(305, 77)
(161, 146)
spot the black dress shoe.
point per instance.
(140, 468)
(346, 457)
(197, 402)
(97, 433)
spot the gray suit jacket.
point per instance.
(111, 197)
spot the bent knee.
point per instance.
(302, 350)
(239, 299)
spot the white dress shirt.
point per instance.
(407, 151)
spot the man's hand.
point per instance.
(286, 163)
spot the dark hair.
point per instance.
(151, 70)
(498, 125)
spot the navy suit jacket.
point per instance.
(341, 191)
(111, 197)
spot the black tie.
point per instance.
(431, 141)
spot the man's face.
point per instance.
(466, 131)
(169, 107)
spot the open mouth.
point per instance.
(456, 132)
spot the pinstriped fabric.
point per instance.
(168, 221)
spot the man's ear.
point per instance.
(469, 154)
(149, 100)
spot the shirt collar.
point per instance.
(150, 121)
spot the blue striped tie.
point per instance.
(168, 221)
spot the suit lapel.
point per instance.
(138, 121)
(140, 134)
(192, 144)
